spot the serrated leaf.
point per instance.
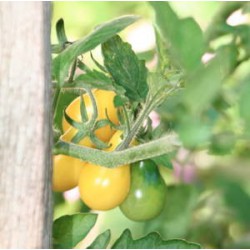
(94, 79)
(101, 241)
(151, 241)
(184, 35)
(69, 230)
(102, 33)
(163, 160)
(125, 68)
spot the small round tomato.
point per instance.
(66, 172)
(66, 169)
(104, 188)
(147, 193)
(104, 101)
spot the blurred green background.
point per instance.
(211, 203)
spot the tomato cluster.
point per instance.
(139, 190)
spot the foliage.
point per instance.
(203, 107)
(69, 230)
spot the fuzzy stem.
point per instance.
(114, 159)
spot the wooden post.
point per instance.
(25, 125)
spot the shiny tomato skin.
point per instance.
(66, 172)
(104, 101)
(104, 188)
(147, 194)
(66, 169)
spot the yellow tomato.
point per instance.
(104, 188)
(66, 172)
(66, 169)
(104, 100)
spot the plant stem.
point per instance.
(72, 72)
(135, 128)
(55, 98)
(114, 159)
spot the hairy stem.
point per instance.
(114, 159)
(135, 128)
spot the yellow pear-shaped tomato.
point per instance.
(104, 188)
(66, 172)
(66, 169)
(104, 101)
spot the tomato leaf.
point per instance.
(101, 241)
(102, 33)
(71, 229)
(237, 198)
(174, 221)
(244, 103)
(125, 68)
(193, 132)
(184, 35)
(151, 241)
(210, 79)
(163, 160)
(94, 79)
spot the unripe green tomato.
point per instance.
(147, 193)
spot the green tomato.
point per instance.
(147, 193)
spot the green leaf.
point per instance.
(60, 31)
(101, 241)
(151, 241)
(163, 160)
(94, 79)
(222, 143)
(193, 132)
(244, 103)
(174, 220)
(185, 36)
(237, 199)
(204, 86)
(125, 68)
(244, 32)
(71, 229)
(218, 25)
(102, 33)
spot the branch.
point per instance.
(114, 159)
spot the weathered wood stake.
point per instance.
(25, 125)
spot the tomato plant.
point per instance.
(188, 80)
(147, 194)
